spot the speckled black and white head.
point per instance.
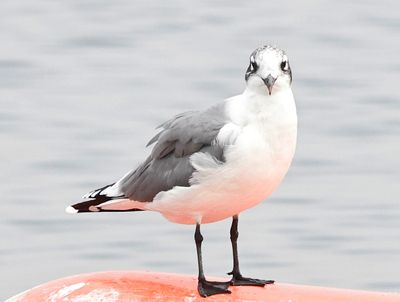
(269, 70)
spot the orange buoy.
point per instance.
(146, 286)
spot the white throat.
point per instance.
(252, 106)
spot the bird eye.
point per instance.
(285, 66)
(253, 65)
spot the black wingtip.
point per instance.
(90, 206)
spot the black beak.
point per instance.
(269, 82)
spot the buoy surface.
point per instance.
(153, 286)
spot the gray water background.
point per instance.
(84, 83)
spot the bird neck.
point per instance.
(250, 107)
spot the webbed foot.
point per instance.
(209, 288)
(239, 280)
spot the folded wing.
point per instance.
(169, 162)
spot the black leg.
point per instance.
(207, 288)
(237, 278)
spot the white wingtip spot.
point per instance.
(71, 210)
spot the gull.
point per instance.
(206, 166)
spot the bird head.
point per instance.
(269, 70)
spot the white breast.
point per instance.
(262, 147)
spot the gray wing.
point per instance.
(169, 164)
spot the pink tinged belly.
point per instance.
(221, 196)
